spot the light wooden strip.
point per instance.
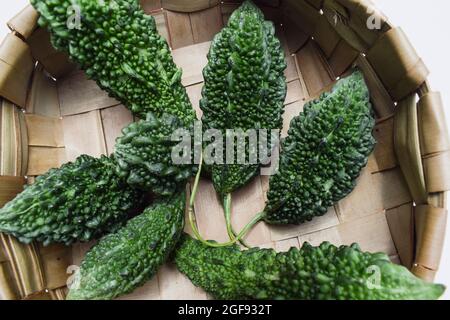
(383, 103)
(313, 68)
(407, 148)
(290, 111)
(175, 286)
(161, 25)
(295, 36)
(302, 13)
(401, 226)
(8, 139)
(329, 220)
(42, 159)
(192, 60)
(330, 235)
(24, 22)
(12, 151)
(55, 62)
(383, 157)
(437, 172)
(13, 268)
(16, 53)
(431, 224)
(9, 187)
(43, 95)
(285, 245)
(265, 185)
(371, 233)
(342, 58)
(291, 69)
(23, 145)
(55, 259)
(326, 37)
(80, 129)
(16, 66)
(188, 6)
(339, 18)
(397, 64)
(424, 273)
(206, 24)
(8, 287)
(12, 85)
(195, 94)
(58, 294)
(77, 94)
(28, 266)
(114, 119)
(246, 203)
(434, 142)
(150, 5)
(39, 296)
(294, 92)
(433, 129)
(180, 30)
(44, 131)
(209, 213)
(374, 193)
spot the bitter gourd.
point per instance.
(144, 155)
(327, 146)
(80, 201)
(244, 88)
(125, 260)
(118, 45)
(324, 272)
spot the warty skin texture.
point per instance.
(244, 87)
(144, 155)
(327, 146)
(80, 201)
(125, 260)
(118, 46)
(310, 273)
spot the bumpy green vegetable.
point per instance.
(79, 201)
(324, 272)
(244, 86)
(125, 260)
(119, 47)
(327, 146)
(144, 155)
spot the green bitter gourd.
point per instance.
(325, 272)
(125, 260)
(144, 154)
(327, 146)
(80, 201)
(244, 89)
(118, 45)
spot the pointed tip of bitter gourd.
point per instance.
(125, 260)
(325, 272)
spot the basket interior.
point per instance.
(67, 115)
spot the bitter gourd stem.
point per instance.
(227, 207)
(193, 220)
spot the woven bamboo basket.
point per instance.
(51, 113)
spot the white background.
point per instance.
(425, 23)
